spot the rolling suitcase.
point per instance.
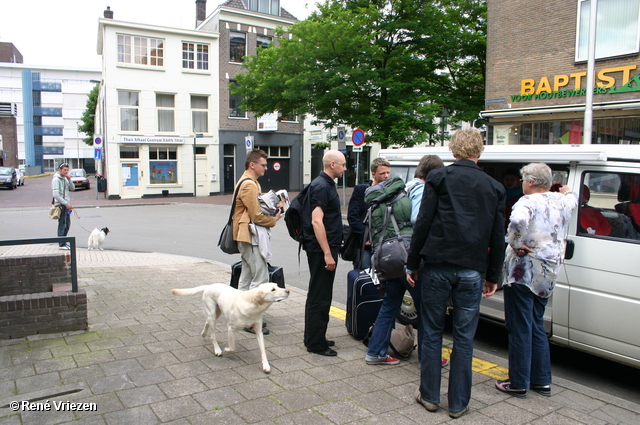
(363, 303)
(276, 275)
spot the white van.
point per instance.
(595, 305)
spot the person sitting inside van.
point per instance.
(591, 219)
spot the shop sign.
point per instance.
(609, 81)
(155, 140)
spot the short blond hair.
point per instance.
(466, 143)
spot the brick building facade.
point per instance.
(536, 72)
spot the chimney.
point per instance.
(201, 11)
(108, 13)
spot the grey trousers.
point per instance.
(254, 267)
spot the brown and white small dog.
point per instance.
(241, 308)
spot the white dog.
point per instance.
(241, 308)
(96, 238)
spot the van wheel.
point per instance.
(408, 313)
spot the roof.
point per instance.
(240, 4)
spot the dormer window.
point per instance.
(271, 7)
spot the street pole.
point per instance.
(77, 145)
(195, 137)
(588, 108)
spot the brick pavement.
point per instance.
(143, 362)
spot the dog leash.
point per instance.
(75, 213)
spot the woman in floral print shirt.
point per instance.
(536, 237)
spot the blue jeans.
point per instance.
(64, 223)
(384, 324)
(529, 357)
(441, 282)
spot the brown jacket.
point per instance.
(248, 210)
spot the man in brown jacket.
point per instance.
(254, 266)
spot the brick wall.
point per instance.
(44, 312)
(535, 39)
(27, 304)
(9, 132)
(32, 274)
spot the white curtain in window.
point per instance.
(617, 29)
(165, 120)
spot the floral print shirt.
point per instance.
(539, 221)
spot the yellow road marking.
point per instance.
(481, 366)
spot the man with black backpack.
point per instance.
(321, 239)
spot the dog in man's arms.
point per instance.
(241, 309)
(96, 238)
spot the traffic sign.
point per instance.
(341, 134)
(248, 143)
(97, 154)
(276, 166)
(357, 148)
(97, 139)
(358, 137)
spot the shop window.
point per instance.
(129, 108)
(617, 31)
(163, 164)
(610, 205)
(276, 151)
(200, 113)
(237, 46)
(129, 152)
(166, 112)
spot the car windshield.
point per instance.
(5, 171)
(77, 173)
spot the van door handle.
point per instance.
(568, 251)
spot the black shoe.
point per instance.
(544, 390)
(505, 387)
(331, 343)
(264, 324)
(265, 331)
(328, 352)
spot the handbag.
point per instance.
(401, 344)
(351, 245)
(54, 212)
(226, 242)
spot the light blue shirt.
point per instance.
(414, 189)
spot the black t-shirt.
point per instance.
(323, 193)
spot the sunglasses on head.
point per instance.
(64, 164)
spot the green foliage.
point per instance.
(88, 122)
(387, 66)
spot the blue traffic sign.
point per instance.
(358, 137)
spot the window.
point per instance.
(129, 152)
(166, 111)
(195, 56)
(610, 205)
(272, 7)
(163, 164)
(140, 50)
(200, 114)
(262, 42)
(237, 44)
(617, 30)
(289, 116)
(128, 103)
(234, 104)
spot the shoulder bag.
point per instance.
(54, 212)
(226, 242)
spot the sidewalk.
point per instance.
(143, 362)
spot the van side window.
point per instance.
(610, 205)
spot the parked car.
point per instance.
(8, 177)
(79, 178)
(20, 176)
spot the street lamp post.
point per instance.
(77, 145)
(444, 113)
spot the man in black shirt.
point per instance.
(459, 234)
(322, 235)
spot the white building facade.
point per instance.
(157, 116)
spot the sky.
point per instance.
(63, 33)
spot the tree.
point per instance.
(88, 122)
(373, 64)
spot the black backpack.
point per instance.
(293, 216)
